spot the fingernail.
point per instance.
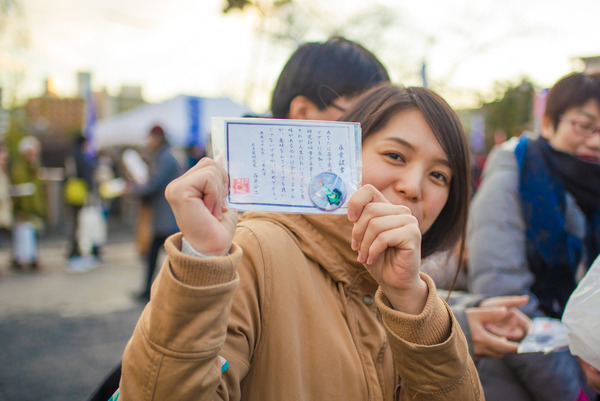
(351, 216)
(354, 245)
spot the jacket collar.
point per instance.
(323, 238)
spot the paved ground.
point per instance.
(60, 333)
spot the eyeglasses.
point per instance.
(340, 108)
(581, 128)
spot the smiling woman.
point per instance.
(340, 296)
(408, 166)
(415, 161)
(351, 283)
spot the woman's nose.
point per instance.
(409, 185)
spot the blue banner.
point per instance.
(193, 137)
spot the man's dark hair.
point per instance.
(322, 72)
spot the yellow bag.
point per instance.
(76, 191)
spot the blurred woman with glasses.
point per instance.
(534, 229)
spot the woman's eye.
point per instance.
(440, 177)
(395, 156)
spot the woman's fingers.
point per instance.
(486, 343)
(197, 198)
(206, 181)
(388, 240)
(376, 233)
(374, 218)
(362, 197)
(514, 301)
(514, 326)
(494, 346)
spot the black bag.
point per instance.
(108, 386)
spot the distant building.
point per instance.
(50, 115)
(129, 98)
(53, 120)
(84, 83)
(105, 104)
(592, 64)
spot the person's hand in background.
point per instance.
(497, 325)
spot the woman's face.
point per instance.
(405, 162)
(573, 133)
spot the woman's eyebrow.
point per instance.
(400, 141)
(407, 144)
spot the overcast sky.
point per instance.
(189, 46)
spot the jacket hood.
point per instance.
(323, 238)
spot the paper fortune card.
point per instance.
(293, 166)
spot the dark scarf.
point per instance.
(553, 254)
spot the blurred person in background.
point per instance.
(6, 211)
(106, 182)
(493, 326)
(79, 188)
(163, 169)
(29, 204)
(194, 154)
(534, 229)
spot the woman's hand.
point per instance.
(497, 325)
(197, 199)
(388, 240)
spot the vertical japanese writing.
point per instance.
(310, 148)
(292, 163)
(255, 184)
(342, 159)
(272, 162)
(329, 153)
(282, 164)
(300, 140)
(262, 154)
(320, 150)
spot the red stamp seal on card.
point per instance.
(241, 185)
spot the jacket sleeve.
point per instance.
(430, 351)
(175, 348)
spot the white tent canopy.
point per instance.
(185, 119)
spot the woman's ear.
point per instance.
(547, 127)
(301, 108)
